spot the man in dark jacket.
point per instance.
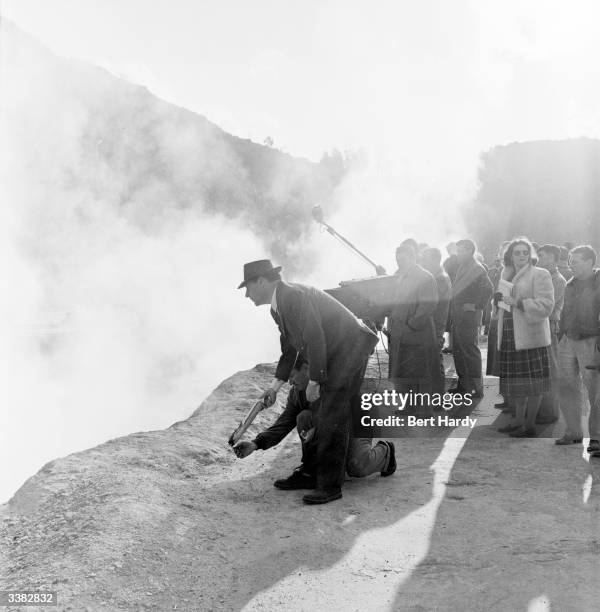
(450, 266)
(451, 262)
(548, 258)
(471, 290)
(337, 347)
(579, 347)
(431, 262)
(362, 458)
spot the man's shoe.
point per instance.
(502, 404)
(565, 440)
(298, 480)
(594, 448)
(322, 496)
(508, 428)
(391, 468)
(524, 433)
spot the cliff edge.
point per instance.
(171, 520)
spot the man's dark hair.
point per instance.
(524, 241)
(586, 251)
(467, 244)
(551, 249)
(411, 242)
(433, 253)
(407, 248)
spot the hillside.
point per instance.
(78, 131)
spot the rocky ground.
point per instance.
(171, 520)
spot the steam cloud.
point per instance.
(121, 258)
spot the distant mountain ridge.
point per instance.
(147, 155)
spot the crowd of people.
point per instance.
(540, 309)
(538, 305)
(546, 348)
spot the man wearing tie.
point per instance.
(336, 345)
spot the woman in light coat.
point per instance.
(524, 335)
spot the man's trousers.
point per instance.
(465, 349)
(362, 458)
(549, 407)
(333, 429)
(573, 356)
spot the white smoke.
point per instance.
(117, 315)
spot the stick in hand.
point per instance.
(243, 426)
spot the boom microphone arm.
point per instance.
(317, 214)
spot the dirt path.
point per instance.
(170, 520)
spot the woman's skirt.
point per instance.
(523, 373)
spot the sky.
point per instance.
(322, 74)
(422, 87)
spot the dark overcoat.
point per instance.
(333, 341)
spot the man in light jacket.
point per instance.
(579, 348)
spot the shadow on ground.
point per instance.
(519, 525)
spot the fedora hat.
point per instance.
(254, 269)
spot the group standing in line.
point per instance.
(543, 343)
